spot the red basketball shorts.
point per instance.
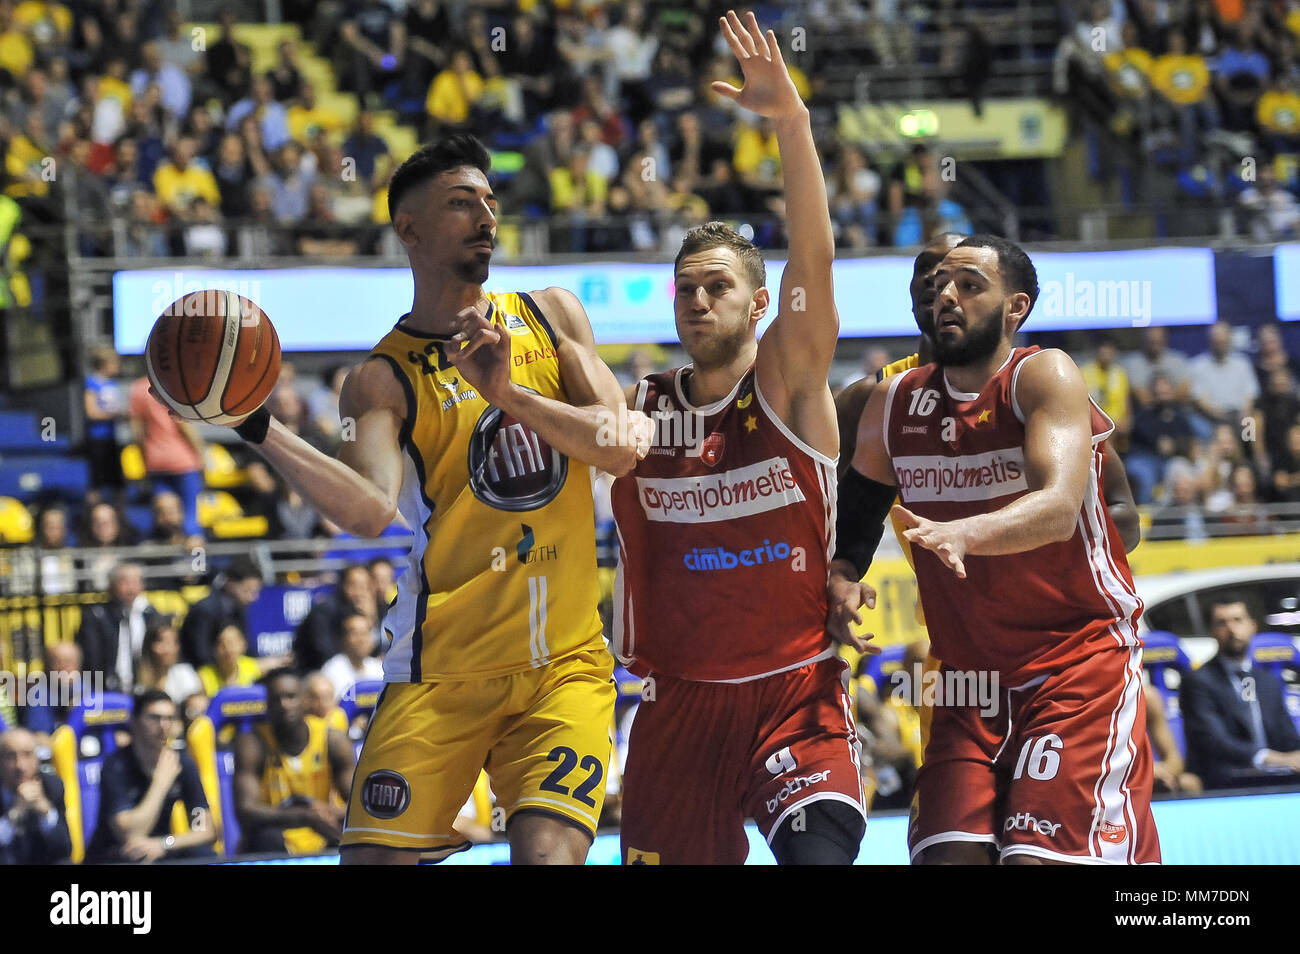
(703, 757)
(1061, 769)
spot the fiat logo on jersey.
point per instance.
(385, 794)
(510, 466)
(711, 448)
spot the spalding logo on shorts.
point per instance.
(385, 794)
(510, 466)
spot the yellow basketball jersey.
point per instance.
(307, 773)
(502, 573)
(888, 371)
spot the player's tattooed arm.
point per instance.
(1058, 450)
(359, 490)
(594, 426)
(795, 353)
(1119, 498)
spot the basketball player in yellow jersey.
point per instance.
(292, 773)
(470, 418)
(846, 593)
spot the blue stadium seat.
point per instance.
(627, 684)
(20, 432)
(27, 476)
(1278, 652)
(1163, 657)
(93, 725)
(233, 711)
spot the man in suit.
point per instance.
(1234, 717)
(33, 827)
(111, 634)
(224, 606)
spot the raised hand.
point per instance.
(480, 351)
(768, 89)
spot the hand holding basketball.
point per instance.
(212, 356)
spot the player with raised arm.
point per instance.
(994, 451)
(724, 536)
(470, 417)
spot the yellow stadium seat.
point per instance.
(240, 528)
(214, 505)
(63, 753)
(201, 740)
(132, 462)
(15, 522)
(219, 469)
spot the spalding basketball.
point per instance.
(213, 356)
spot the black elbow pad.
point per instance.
(862, 506)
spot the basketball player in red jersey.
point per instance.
(846, 592)
(724, 532)
(994, 451)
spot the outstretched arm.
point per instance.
(594, 425)
(1058, 449)
(794, 355)
(359, 490)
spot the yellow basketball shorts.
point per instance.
(543, 736)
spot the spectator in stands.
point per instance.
(33, 827)
(320, 634)
(1286, 467)
(602, 159)
(1107, 383)
(1129, 67)
(62, 668)
(1271, 213)
(104, 530)
(174, 86)
(226, 605)
(111, 634)
(286, 79)
(578, 196)
(1278, 114)
(529, 61)
(290, 184)
(1182, 81)
(140, 786)
(321, 234)
(229, 62)
(385, 580)
(632, 47)
(595, 105)
(172, 450)
(354, 662)
(1180, 514)
(853, 189)
(1240, 73)
(160, 662)
(452, 95)
(1162, 430)
(292, 775)
(318, 695)
(203, 236)
(180, 180)
(1271, 354)
(1156, 358)
(1237, 727)
(232, 666)
(373, 43)
(142, 237)
(1169, 767)
(105, 404)
(271, 117)
(1223, 381)
(427, 22)
(40, 98)
(1243, 513)
(234, 176)
(207, 135)
(364, 147)
(306, 115)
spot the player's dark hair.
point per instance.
(1228, 597)
(147, 697)
(432, 159)
(1018, 272)
(277, 673)
(720, 235)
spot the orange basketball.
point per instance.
(213, 356)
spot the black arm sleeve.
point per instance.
(862, 508)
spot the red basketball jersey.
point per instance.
(1025, 614)
(725, 530)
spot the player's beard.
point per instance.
(720, 349)
(472, 272)
(980, 342)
